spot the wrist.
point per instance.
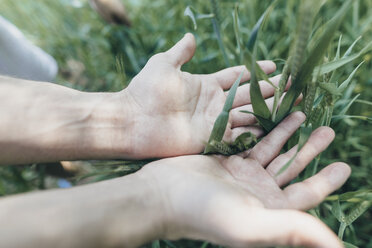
(110, 125)
(139, 214)
(158, 175)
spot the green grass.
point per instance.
(76, 33)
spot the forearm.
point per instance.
(43, 122)
(116, 213)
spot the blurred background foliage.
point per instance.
(96, 56)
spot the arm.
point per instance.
(115, 213)
(231, 201)
(163, 112)
(43, 122)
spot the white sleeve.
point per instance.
(19, 58)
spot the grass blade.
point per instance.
(254, 33)
(237, 34)
(333, 65)
(251, 44)
(348, 51)
(188, 12)
(304, 29)
(259, 72)
(346, 108)
(357, 211)
(316, 54)
(220, 124)
(305, 133)
(216, 28)
(280, 90)
(346, 83)
(258, 101)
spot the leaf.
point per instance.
(305, 133)
(155, 244)
(280, 90)
(336, 211)
(265, 123)
(188, 12)
(345, 84)
(348, 245)
(352, 196)
(305, 20)
(250, 45)
(330, 88)
(316, 54)
(259, 72)
(220, 124)
(242, 143)
(346, 108)
(230, 97)
(360, 117)
(237, 34)
(216, 28)
(333, 65)
(204, 245)
(338, 48)
(220, 147)
(364, 102)
(357, 211)
(257, 100)
(245, 141)
(254, 33)
(348, 51)
(169, 244)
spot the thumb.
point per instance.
(182, 51)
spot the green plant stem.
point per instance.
(237, 35)
(216, 28)
(276, 104)
(329, 111)
(341, 230)
(309, 98)
(315, 166)
(279, 90)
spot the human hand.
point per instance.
(239, 202)
(174, 111)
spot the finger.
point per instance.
(240, 119)
(243, 97)
(247, 226)
(312, 191)
(226, 77)
(269, 147)
(317, 142)
(182, 51)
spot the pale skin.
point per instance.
(235, 201)
(164, 112)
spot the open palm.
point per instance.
(239, 201)
(176, 110)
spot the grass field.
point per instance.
(88, 52)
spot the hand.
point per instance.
(239, 202)
(174, 111)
